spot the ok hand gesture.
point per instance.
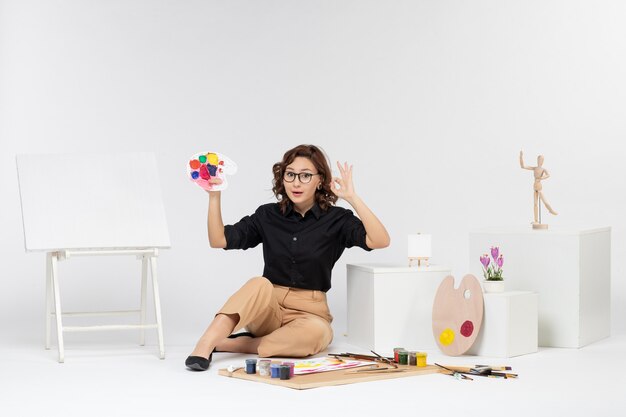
(343, 187)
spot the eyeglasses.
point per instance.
(304, 177)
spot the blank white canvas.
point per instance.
(87, 201)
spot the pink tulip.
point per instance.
(485, 260)
(500, 261)
(494, 252)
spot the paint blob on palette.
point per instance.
(457, 314)
(209, 170)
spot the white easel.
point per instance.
(115, 210)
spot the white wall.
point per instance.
(431, 101)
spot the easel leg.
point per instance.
(144, 285)
(157, 305)
(57, 305)
(48, 297)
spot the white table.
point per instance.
(391, 306)
(509, 325)
(570, 269)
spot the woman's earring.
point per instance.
(319, 186)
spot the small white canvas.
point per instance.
(91, 201)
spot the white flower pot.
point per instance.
(493, 286)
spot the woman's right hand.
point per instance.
(214, 181)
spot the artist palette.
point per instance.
(457, 314)
(203, 168)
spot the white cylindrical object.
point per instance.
(419, 246)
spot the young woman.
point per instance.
(303, 235)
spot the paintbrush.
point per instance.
(357, 356)
(495, 368)
(504, 374)
(385, 360)
(473, 371)
(455, 374)
(376, 370)
(348, 354)
(463, 369)
(481, 371)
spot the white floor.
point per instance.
(116, 380)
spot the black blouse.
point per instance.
(298, 251)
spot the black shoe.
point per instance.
(236, 335)
(198, 363)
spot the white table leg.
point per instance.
(57, 305)
(48, 297)
(157, 305)
(144, 285)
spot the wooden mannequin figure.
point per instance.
(540, 174)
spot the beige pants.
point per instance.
(291, 321)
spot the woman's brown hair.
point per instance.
(324, 195)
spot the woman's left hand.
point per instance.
(342, 186)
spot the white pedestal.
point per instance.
(509, 325)
(569, 269)
(391, 306)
